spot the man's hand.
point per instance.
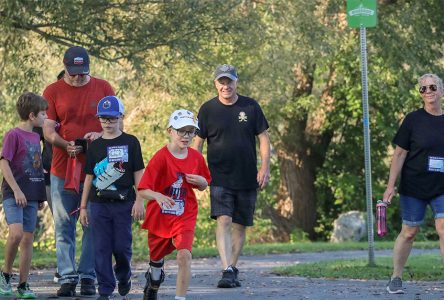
(72, 149)
(93, 135)
(263, 177)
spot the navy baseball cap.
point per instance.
(76, 61)
(225, 71)
(110, 106)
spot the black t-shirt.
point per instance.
(231, 132)
(113, 163)
(422, 135)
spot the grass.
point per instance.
(426, 267)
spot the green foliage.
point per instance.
(426, 267)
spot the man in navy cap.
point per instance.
(230, 123)
(72, 103)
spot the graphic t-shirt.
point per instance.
(75, 109)
(231, 132)
(22, 150)
(113, 163)
(422, 135)
(166, 174)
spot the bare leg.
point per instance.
(184, 272)
(223, 239)
(14, 237)
(402, 248)
(25, 255)
(237, 239)
(439, 224)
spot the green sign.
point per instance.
(361, 12)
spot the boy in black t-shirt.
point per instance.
(114, 165)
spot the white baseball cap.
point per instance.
(181, 118)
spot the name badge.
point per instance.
(118, 153)
(177, 209)
(436, 164)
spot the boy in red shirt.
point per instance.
(169, 179)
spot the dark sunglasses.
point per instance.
(432, 87)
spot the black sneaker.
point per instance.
(152, 286)
(236, 273)
(103, 297)
(227, 280)
(124, 288)
(394, 286)
(87, 287)
(67, 290)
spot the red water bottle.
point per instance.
(381, 217)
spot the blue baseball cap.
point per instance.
(110, 106)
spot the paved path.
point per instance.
(258, 281)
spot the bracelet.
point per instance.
(82, 207)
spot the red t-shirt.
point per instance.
(75, 109)
(165, 174)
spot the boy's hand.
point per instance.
(164, 201)
(41, 205)
(20, 198)
(138, 211)
(84, 217)
(197, 180)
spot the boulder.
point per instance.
(349, 226)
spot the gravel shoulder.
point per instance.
(259, 282)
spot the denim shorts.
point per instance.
(238, 204)
(27, 216)
(414, 209)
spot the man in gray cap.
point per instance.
(72, 103)
(230, 123)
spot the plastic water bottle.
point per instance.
(381, 217)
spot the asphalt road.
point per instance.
(259, 282)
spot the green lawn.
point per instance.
(426, 267)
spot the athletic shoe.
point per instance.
(103, 297)
(124, 288)
(5, 287)
(24, 292)
(394, 286)
(227, 280)
(152, 286)
(236, 273)
(57, 276)
(67, 290)
(87, 287)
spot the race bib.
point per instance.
(177, 209)
(436, 164)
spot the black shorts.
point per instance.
(238, 204)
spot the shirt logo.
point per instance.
(242, 117)
(78, 60)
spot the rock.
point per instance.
(349, 226)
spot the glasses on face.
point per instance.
(108, 120)
(432, 87)
(183, 132)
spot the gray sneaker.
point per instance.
(394, 286)
(5, 287)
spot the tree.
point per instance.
(314, 99)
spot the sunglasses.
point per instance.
(432, 87)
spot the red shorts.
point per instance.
(161, 247)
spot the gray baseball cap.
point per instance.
(225, 71)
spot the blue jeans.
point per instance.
(63, 203)
(413, 209)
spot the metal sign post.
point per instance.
(362, 14)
